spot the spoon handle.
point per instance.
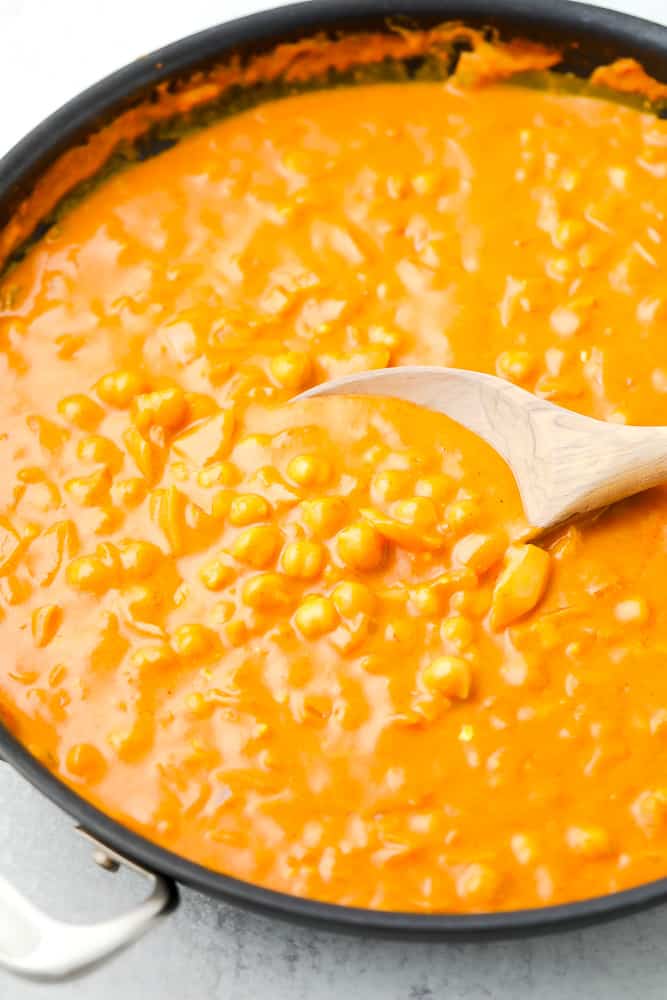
(607, 465)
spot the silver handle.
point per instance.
(35, 946)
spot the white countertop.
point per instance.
(207, 951)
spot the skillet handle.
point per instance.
(35, 946)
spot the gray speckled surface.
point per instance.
(207, 951)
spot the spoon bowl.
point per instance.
(564, 464)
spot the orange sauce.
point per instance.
(299, 643)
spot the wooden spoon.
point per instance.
(564, 464)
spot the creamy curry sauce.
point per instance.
(301, 644)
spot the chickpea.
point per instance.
(100, 450)
(303, 559)
(458, 630)
(120, 388)
(166, 408)
(140, 559)
(349, 637)
(130, 744)
(218, 474)
(373, 664)
(309, 470)
(324, 515)
(193, 640)
(81, 411)
(292, 370)
(89, 573)
(236, 632)
(438, 487)
(215, 574)
(427, 600)
(361, 546)
(390, 485)
(89, 490)
(128, 492)
(144, 603)
(448, 675)
(266, 592)
(248, 509)
(85, 761)
(315, 617)
(258, 545)
(351, 598)
(418, 512)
